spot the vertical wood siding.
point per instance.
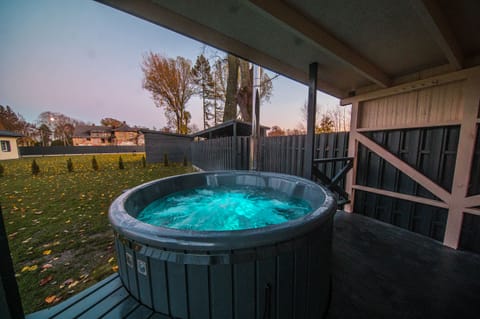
(431, 106)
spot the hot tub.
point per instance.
(278, 271)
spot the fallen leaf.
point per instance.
(111, 259)
(46, 280)
(67, 282)
(47, 252)
(46, 266)
(38, 213)
(73, 284)
(115, 268)
(29, 268)
(50, 299)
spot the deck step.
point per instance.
(106, 299)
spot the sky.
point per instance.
(82, 59)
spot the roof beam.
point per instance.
(436, 23)
(324, 39)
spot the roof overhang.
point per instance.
(359, 45)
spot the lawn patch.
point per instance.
(57, 221)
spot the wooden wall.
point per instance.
(446, 100)
(439, 105)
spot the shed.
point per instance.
(230, 128)
(176, 146)
(9, 147)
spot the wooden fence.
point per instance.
(430, 150)
(72, 150)
(281, 154)
(226, 153)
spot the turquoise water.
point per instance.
(222, 208)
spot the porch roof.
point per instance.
(359, 45)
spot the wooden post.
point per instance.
(312, 108)
(234, 145)
(463, 163)
(254, 139)
(352, 152)
(10, 303)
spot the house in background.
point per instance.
(8, 145)
(92, 135)
(125, 135)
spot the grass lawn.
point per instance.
(57, 224)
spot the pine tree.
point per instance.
(94, 164)
(165, 159)
(120, 163)
(202, 77)
(69, 165)
(35, 168)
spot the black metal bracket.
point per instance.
(332, 184)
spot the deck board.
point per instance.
(379, 271)
(141, 312)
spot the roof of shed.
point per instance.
(226, 129)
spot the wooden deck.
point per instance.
(379, 271)
(106, 299)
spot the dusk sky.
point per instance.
(82, 59)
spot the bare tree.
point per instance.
(61, 125)
(170, 82)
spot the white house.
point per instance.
(8, 145)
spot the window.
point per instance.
(6, 146)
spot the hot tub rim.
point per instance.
(128, 226)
